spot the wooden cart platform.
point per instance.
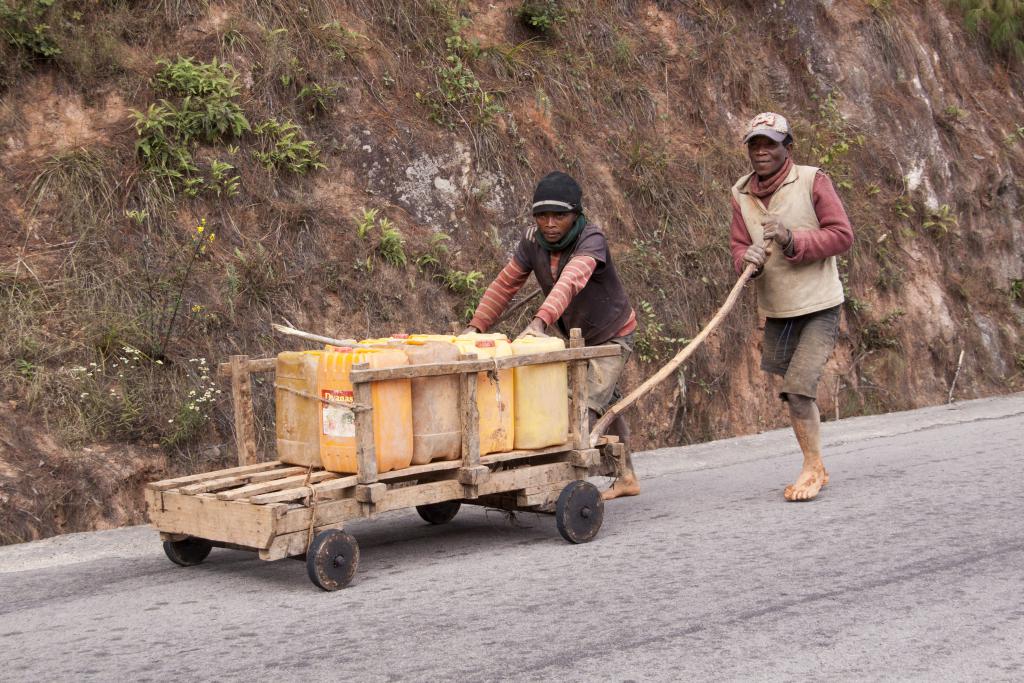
(280, 510)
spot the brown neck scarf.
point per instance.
(767, 187)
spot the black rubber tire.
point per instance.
(188, 552)
(579, 512)
(332, 559)
(439, 513)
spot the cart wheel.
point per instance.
(332, 558)
(439, 513)
(188, 552)
(579, 512)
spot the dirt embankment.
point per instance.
(430, 123)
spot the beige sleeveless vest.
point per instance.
(784, 289)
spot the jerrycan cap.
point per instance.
(485, 344)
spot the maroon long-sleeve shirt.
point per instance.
(834, 236)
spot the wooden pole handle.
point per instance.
(680, 357)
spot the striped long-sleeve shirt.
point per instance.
(573, 279)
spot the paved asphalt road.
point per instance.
(909, 566)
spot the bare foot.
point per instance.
(807, 485)
(626, 485)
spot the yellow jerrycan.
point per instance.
(541, 396)
(391, 401)
(436, 422)
(295, 408)
(495, 392)
(450, 338)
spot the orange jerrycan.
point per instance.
(436, 422)
(391, 401)
(494, 392)
(542, 396)
(296, 408)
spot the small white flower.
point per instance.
(171, 421)
(83, 394)
(159, 362)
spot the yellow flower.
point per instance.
(199, 229)
(212, 235)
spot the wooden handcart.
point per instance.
(279, 510)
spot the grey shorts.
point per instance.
(603, 376)
(798, 348)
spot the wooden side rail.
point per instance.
(245, 416)
(453, 367)
(431, 369)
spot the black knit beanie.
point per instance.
(557, 192)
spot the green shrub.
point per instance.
(317, 99)
(24, 26)
(392, 245)
(881, 334)
(1017, 289)
(205, 113)
(1000, 21)
(467, 285)
(285, 149)
(832, 140)
(436, 255)
(364, 224)
(458, 96)
(940, 221)
(541, 15)
(651, 341)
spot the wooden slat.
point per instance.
(366, 450)
(453, 367)
(252, 526)
(245, 419)
(177, 482)
(300, 492)
(439, 466)
(270, 364)
(524, 454)
(539, 495)
(579, 415)
(422, 494)
(276, 485)
(331, 512)
(524, 477)
(470, 417)
(255, 365)
(288, 545)
(239, 480)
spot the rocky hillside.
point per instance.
(178, 175)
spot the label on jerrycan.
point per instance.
(339, 420)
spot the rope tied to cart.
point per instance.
(311, 501)
(353, 406)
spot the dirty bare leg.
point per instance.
(626, 483)
(806, 420)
